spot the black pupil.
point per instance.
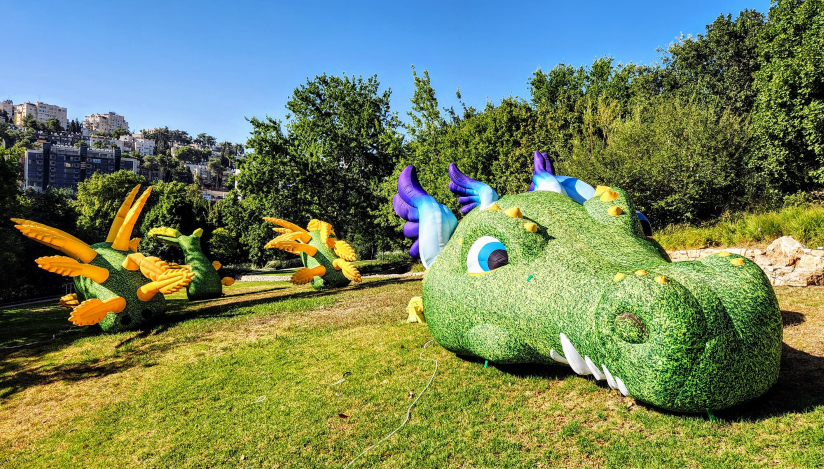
(497, 258)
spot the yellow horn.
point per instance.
(514, 212)
(121, 214)
(124, 234)
(71, 268)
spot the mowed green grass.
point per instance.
(253, 380)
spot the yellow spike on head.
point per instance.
(121, 214)
(124, 234)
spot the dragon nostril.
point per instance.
(630, 328)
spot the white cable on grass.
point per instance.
(409, 410)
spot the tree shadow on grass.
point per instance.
(56, 336)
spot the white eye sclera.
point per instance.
(485, 255)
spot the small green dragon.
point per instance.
(564, 274)
(206, 283)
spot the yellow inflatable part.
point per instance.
(282, 230)
(124, 234)
(216, 265)
(164, 231)
(69, 267)
(314, 225)
(349, 270)
(415, 310)
(293, 247)
(227, 281)
(134, 243)
(93, 311)
(121, 214)
(345, 251)
(59, 240)
(69, 301)
(166, 283)
(285, 224)
(305, 275)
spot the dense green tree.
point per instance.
(788, 119)
(98, 199)
(118, 132)
(53, 125)
(205, 140)
(75, 127)
(224, 246)
(192, 155)
(717, 66)
(216, 168)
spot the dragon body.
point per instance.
(115, 286)
(541, 277)
(206, 282)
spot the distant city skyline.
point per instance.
(216, 65)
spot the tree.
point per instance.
(205, 140)
(216, 168)
(118, 132)
(717, 66)
(53, 126)
(788, 118)
(12, 259)
(98, 199)
(75, 127)
(29, 122)
(224, 246)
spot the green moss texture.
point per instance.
(687, 337)
(325, 257)
(121, 282)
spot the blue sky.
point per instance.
(204, 66)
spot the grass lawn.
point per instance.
(253, 380)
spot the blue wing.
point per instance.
(471, 193)
(428, 222)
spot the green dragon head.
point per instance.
(326, 259)
(206, 282)
(115, 286)
(569, 277)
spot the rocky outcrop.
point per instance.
(785, 261)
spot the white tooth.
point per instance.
(573, 357)
(593, 369)
(610, 381)
(621, 386)
(558, 357)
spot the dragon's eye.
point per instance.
(485, 255)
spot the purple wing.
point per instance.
(471, 193)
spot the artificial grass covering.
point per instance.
(581, 285)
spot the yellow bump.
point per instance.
(723, 253)
(737, 261)
(615, 210)
(494, 206)
(514, 212)
(531, 227)
(460, 241)
(227, 281)
(641, 272)
(216, 265)
(662, 280)
(618, 277)
(600, 190)
(609, 196)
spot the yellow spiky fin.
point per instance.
(69, 301)
(121, 214)
(285, 224)
(293, 236)
(57, 239)
(166, 235)
(314, 225)
(21, 221)
(69, 267)
(292, 247)
(93, 311)
(325, 231)
(305, 275)
(134, 243)
(227, 281)
(217, 265)
(345, 251)
(349, 271)
(415, 310)
(167, 282)
(282, 230)
(124, 233)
